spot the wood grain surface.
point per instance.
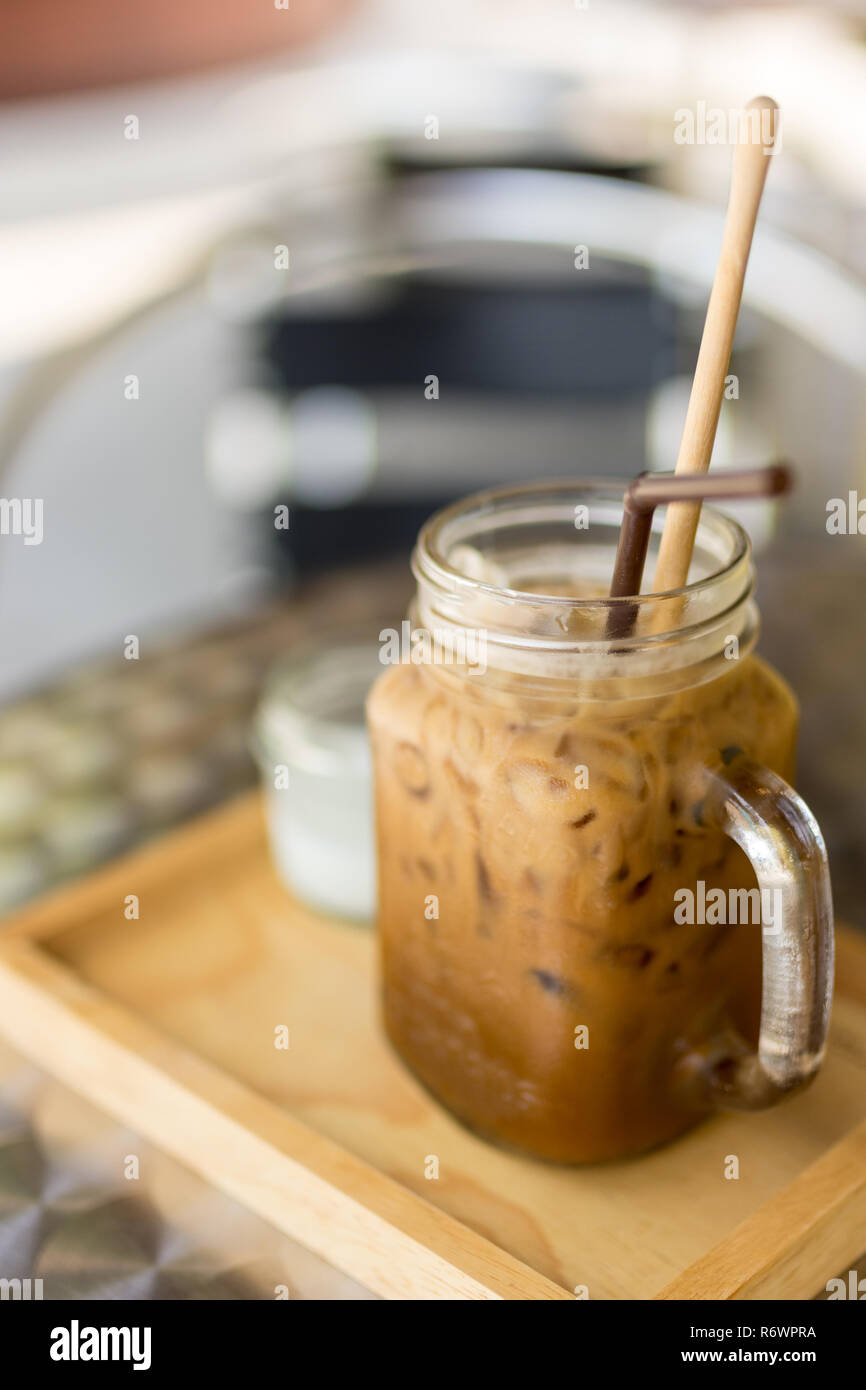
(169, 1022)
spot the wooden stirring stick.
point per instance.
(751, 161)
(650, 490)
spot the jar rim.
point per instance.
(430, 561)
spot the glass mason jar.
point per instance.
(589, 852)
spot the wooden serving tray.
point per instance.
(169, 1022)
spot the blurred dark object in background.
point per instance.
(536, 375)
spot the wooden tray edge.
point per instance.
(167, 856)
(443, 1257)
(816, 1223)
(784, 1249)
(362, 1222)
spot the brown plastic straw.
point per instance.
(651, 490)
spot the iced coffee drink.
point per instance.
(539, 812)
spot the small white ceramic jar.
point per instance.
(311, 745)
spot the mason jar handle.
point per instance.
(780, 836)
